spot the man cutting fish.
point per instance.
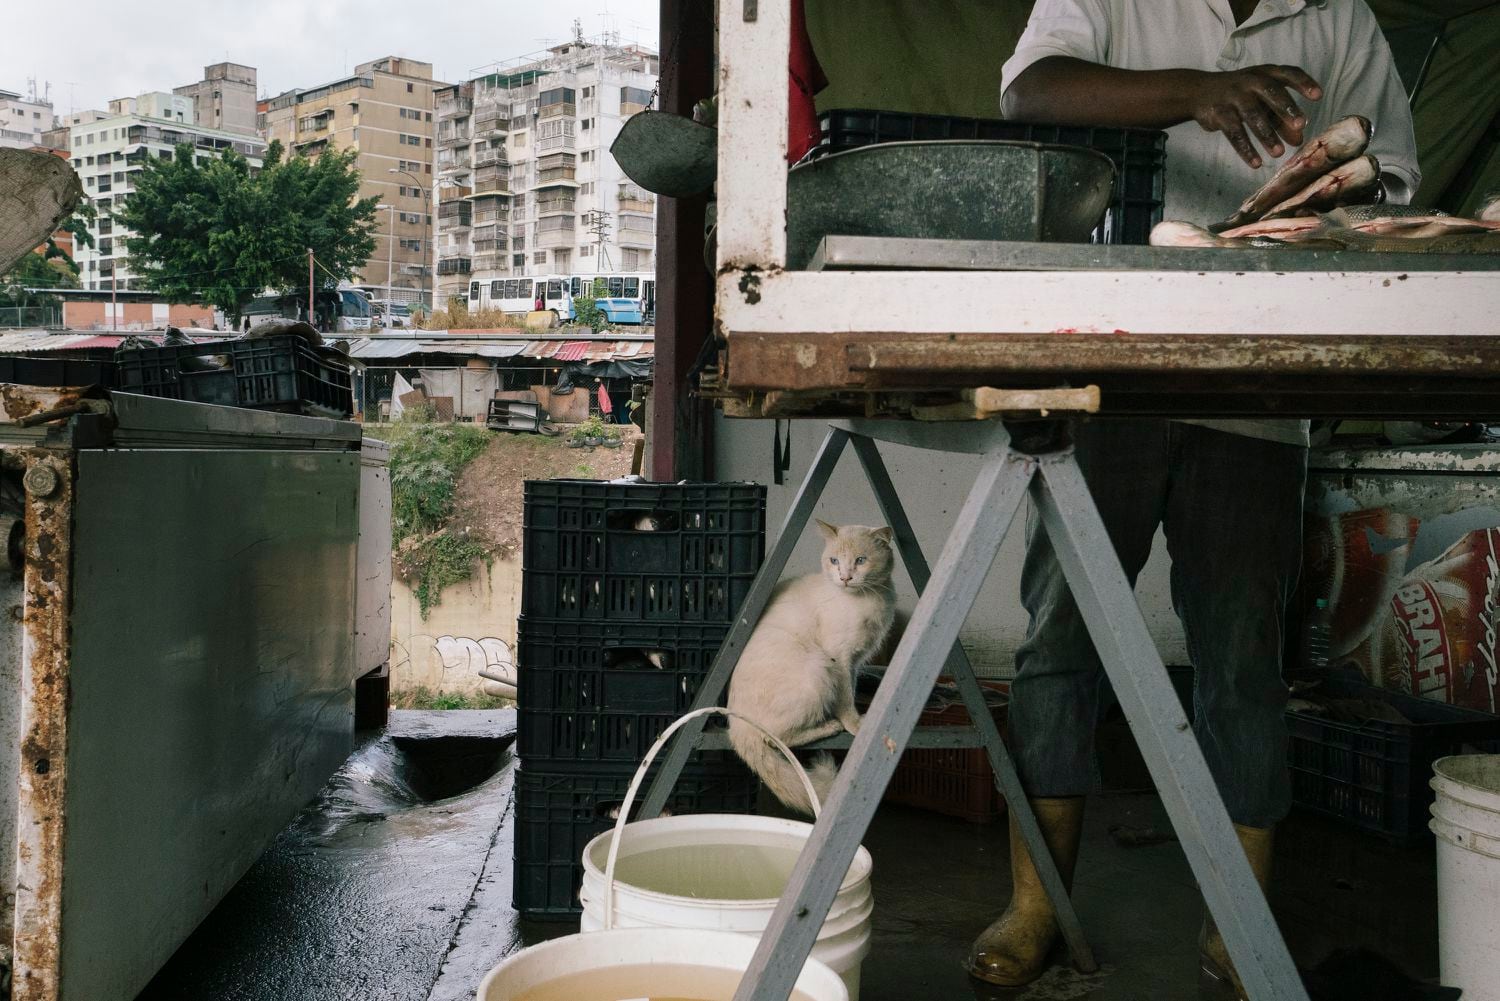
(1237, 84)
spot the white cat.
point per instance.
(796, 676)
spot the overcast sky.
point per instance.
(92, 50)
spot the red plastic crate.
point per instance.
(956, 782)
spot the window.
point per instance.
(408, 88)
(635, 95)
(586, 251)
(587, 188)
(518, 140)
(89, 160)
(516, 260)
(540, 257)
(518, 243)
(106, 247)
(429, 144)
(473, 286)
(587, 156)
(586, 124)
(632, 287)
(557, 95)
(588, 92)
(409, 140)
(429, 116)
(120, 175)
(428, 166)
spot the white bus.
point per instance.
(625, 299)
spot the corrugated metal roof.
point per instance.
(369, 349)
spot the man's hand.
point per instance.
(1241, 103)
(1254, 102)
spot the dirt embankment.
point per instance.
(488, 500)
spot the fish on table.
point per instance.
(1341, 142)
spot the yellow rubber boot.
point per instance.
(1013, 951)
(1218, 978)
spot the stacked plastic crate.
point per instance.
(628, 590)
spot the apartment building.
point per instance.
(224, 98)
(24, 119)
(384, 111)
(526, 184)
(109, 150)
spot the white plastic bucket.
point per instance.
(1466, 820)
(629, 963)
(718, 872)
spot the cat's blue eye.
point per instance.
(834, 560)
(859, 561)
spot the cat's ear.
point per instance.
(829, 531)
(885, 534)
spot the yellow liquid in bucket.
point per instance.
(710, 872)
(643, 983)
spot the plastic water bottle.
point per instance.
(1316, 637)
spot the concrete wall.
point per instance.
(475, 625)
(933, 487)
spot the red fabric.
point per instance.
(605, 406)
(805, 79)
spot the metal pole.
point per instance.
(390, 244)
(310, 303)
(114, 310)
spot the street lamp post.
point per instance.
(426, 226)
(390, 247)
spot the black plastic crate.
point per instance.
(557, 814)
(595, 692)
(586, 556)
(1374, 775)
(56, 371)
(1139, 155)
(282, 372)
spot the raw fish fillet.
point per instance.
(1342, 183)
(1343, 141)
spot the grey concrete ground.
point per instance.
(382, 892)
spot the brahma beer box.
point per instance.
(1411, 591)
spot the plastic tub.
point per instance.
(1466, 820)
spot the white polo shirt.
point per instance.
(1337, 42)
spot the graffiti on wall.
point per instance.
(460, 653)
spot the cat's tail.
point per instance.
(779, 774)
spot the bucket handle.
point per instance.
(640, 776)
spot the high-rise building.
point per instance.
(526, 183)
(109, 150)
(384, 112)
(24, 119)
(224, 98)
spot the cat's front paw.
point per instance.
(852, 724)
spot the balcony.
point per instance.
(489, 262)
(552, 144)
(640, 206)
(453, 193)
(628, 108)
(555, 206)
(488, 123)
(557, 177)
(491, 157)
(485, 247)
(566, 109)
(491, 180)
(448, 140)
(454, 266)
(484, 214)
(454, 215)
(449, 107)
(551, 241)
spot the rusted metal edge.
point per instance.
(917, 362)
(50, 480)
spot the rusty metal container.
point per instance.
(178, 661)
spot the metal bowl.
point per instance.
(955, 190)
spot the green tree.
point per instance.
(221, 231)
(36, 271)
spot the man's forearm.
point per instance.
(1067, 91)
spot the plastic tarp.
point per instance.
(471, 389)
(950, 53)
(574, 372)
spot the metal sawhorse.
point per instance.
(1018, 458)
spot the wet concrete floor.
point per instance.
(390, 888)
